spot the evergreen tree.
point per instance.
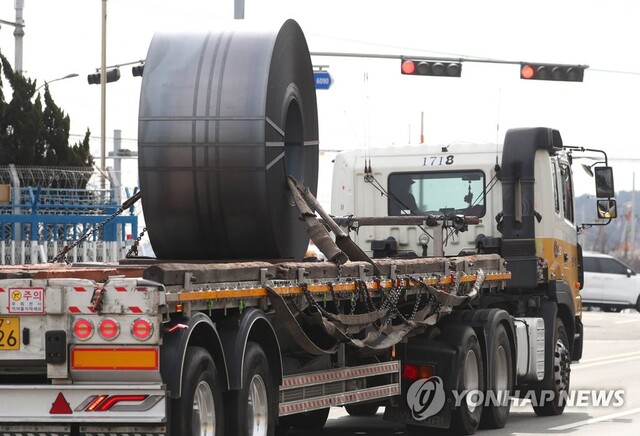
(33, 135)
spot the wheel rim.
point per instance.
(257, 406)
(561, 364)
(204, 414)
(471, 376)
(501, 373)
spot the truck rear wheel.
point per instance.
(496, 409)
(252, 410)
(198, 411)
(561, 371)
(466, 416)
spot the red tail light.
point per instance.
(416, 372)
(82, 329)
(109, 329)
(141, 329)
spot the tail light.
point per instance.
(82, 329)
(109, 329)
(142, 329)
(416, 372)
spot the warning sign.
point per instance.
(26, 300)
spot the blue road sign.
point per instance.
(322, 79)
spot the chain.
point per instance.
(312, 301)
(133, 251)
(62, 255)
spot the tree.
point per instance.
(33, 135)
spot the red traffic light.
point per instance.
(556, 72)
(527, 72)
(408, 67)
(424, 67)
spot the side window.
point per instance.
(612, 266)
(591, 264)
(567, 192)
(554, 183)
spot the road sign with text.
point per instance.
(322, 79)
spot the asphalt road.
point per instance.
(611, 361)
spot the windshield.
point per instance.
(459, 192)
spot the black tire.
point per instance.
(561, 374)
(496, 411)
(466, 417)
(252, 411)
(362, 409)
(201, 395)
(637, 307)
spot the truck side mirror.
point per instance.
(607, 209)
(604, 182)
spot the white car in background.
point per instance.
(609, 283)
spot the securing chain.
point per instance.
(126, 205)
(312, 301)
(133, 251)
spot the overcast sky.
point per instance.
(63, 36)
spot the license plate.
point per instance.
(9, 333)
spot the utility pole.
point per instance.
(238, 9)
(103, 96)
(18, 33)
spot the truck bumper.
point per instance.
(90, 405)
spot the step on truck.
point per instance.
(229, 331)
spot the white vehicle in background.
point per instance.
(609, 283)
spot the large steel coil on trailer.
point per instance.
(224, 118)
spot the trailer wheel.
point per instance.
(252, 410)
(466, 417)
(561, 375)
(362, 409)
(199, 410)
(496, 410)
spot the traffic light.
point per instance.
(137, 70)
(424, 67)
(112, 76)
(558, 72)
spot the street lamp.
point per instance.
(68, 76)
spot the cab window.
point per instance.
(567, 192)
(556, 197)
(459, 192)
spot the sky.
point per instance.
(370, 104)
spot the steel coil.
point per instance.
(224, 118)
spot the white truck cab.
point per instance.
(458, 179)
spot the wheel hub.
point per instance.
(258, 407)
(561, 366)
(204, 415)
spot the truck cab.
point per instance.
(457, 179)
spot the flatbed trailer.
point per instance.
(125, 324)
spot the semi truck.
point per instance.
(230, 331)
